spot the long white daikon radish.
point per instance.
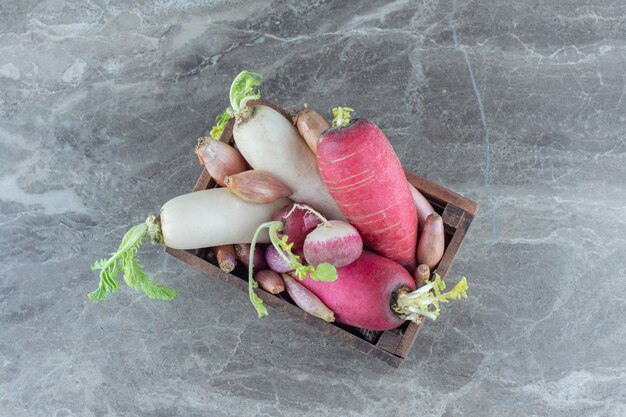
(270, 142)
(197, 220)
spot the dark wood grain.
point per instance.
(391, 347)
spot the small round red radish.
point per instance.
(335, 242)
(297, 223)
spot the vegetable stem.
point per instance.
(242, 90)
(124, 260)
(342, 116)
(420, 301)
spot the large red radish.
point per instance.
(364, 176)
(377, 293)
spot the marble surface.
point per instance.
(516, 105)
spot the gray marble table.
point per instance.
(516, 105)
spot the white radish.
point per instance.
(197, 220)
(213, 217)
(270, 142)
(335, 242)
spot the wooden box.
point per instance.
(391, 347)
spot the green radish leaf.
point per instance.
(324, 272)
(157, 291)
(243, 89)
(222, 121)
(341, 116)
(134, 276)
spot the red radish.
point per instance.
(275, 261)
(196, 220)
(242, 250)
(298, 222)
(432, 243)
(219, 158)
(377, 293)
(270, 281)
(256, 186)
(422, 206)
(364, 176)
(270, 142)
(280, 256)
(335, 242)
(364, 292)
(306, 300)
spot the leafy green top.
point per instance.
(342, 116)
(124, 260)
(420, 300)
(242, 90)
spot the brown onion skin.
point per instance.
(270, 281)
(258, 187)
(310, 124)
(432, 242)
(219, 159)
(226, 258)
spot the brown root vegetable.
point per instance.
(226, 257)
(219, 158)
(422, 205)
(242, 251)
(432, 241)
(270, 281)
(310, 124)
(422, 274)
(257, 187)
(306, 300)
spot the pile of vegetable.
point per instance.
(319, 214)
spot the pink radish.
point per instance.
(335, 242)
(364, 176)
(377, 293)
